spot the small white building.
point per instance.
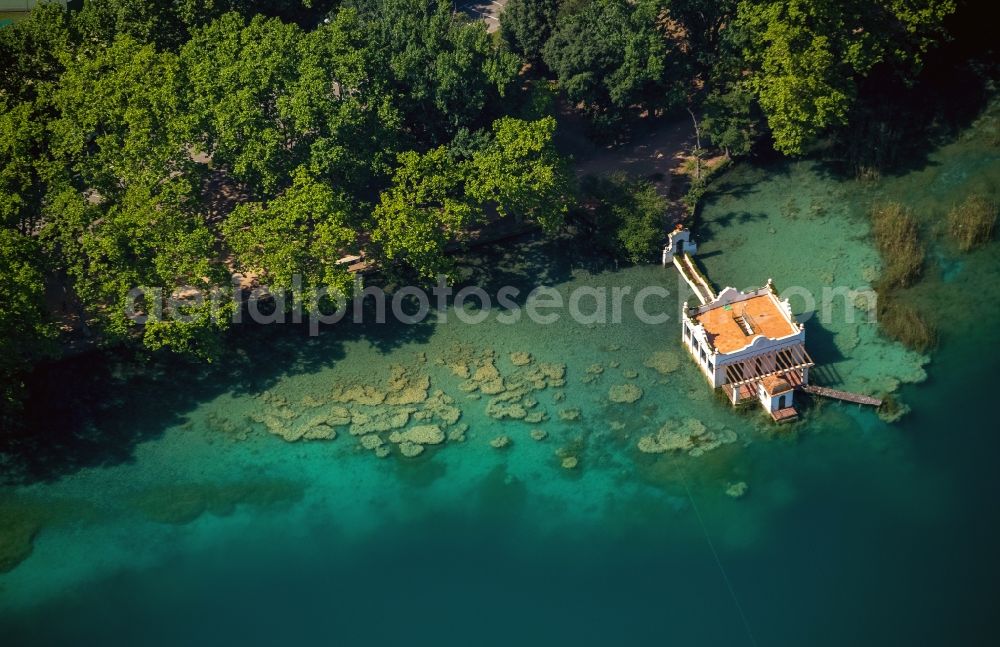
(749, 344)
(678, 243)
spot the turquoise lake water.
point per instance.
(165, 511)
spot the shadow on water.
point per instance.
(823, 349)
(530, 261)
(895, 127)
(93, 409)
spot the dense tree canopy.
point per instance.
(241, 77)
(522, 173)
(121, 118)
(426, 202)
(302, 232)
(444, 70)
(790, 68)
(437, 194)
(808, 55)
(167, 145)
(25, 332)
(626, 216)
(526, 26)
(21, 139)
(611, 56)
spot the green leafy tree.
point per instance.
(123, 205)
(807, 56)
(641, 222)
(611, 55)
(804, 87)
(26, 334)
(146, 21)
(302, 232)
(241, 77)
(421, 211)
(268, 98)
(342, 109)
(731, 118)
(168, 25)
(446, 71)
(435, 195)
(31, 51)
(521, 171)
(526, 26)
(121, 118)
(627, 216)
(153, 237)
(21, 143)
(700, 29)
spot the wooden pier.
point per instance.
(841, 395)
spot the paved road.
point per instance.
(487, 10)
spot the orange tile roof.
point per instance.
(775, 385)
(726, 336)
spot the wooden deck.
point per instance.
(846, 396)
(785, 415)
(745, 392)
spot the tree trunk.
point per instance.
(697, 144)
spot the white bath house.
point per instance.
(746, 343)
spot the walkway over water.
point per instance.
(846, 396)
(699, 285)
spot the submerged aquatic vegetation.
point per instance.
(16, 539)
(569, 415)
(897, 238)
(972, 222)
(737, 490)
(23, 518)
(692, 437)
(367, 408)
(405, 409)
(379, 419)
(19, 524)
(457, 433)
(419, 435)
(663, 362)
(410, 450)
(903, 322)
(624, 393)
(520, 358)
(500, 410)
(180, 504)
(892, 409)
(226, 427)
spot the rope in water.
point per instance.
(725, 576)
